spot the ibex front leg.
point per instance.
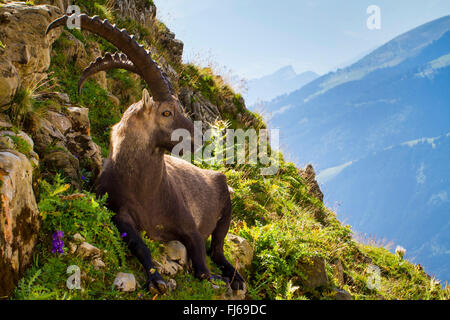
(125, 225)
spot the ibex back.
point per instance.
(148, 190)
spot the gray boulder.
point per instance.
(19, 218)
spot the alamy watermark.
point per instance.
(74, 21)
(374, 279)
(74, 281)
(374, 20)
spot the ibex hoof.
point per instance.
(156, 285)
(237, 282)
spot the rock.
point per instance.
(60, 96)
(338, 269)
(78, 238)
(44, 134)
(241, 251)
(125, 282)
(99, 264)
(313, 272)
(19, 218)
(5, 122)
(72, 247)
(142, 11)
(65, 161)
(75, 51)
(310, 178)
(88, 251)
(176, 252)
(63, 142)
(168, 267)
(173, 259)
(172, 285)
(9, 81)
(342, 295)
(61, 4)
(80, 119)
(26, 55)
(27, 138)
(6, 142)
(59, 121)
(9, 142)
(198, 107)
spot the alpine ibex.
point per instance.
(148, 190)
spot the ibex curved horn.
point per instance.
(107, 62)
(158, 84)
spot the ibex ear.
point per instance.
(146, 99)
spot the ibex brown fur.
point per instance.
(148, 190)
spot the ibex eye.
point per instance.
(167, 113)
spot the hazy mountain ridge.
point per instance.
(282, 81)
(418, 215)
(379, 115)
(356, 122)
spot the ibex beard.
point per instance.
(167, 197)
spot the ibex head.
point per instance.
(152, 119)
(153, 122)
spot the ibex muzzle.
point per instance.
(148, 190)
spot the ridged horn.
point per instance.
(107, 62)
(158, 84)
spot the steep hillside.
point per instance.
(283, 239)
(397, 93)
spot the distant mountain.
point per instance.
(397, 93)
(402, 194)
(280, 82)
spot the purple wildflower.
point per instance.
(83, 177)
(123, 235)
(57, 243)
(58, 235)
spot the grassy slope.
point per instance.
(284, 224)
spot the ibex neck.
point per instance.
(142, 170)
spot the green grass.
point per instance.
(275, 214)
(21, 145)
(46, 279)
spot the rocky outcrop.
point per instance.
(310, 178)
(62, 140)
(142, 11)
(313, 273)
(198, 107)
(25, 57)
(338, 270)
(241, 253)
(19, 218)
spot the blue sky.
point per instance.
(257, 37)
